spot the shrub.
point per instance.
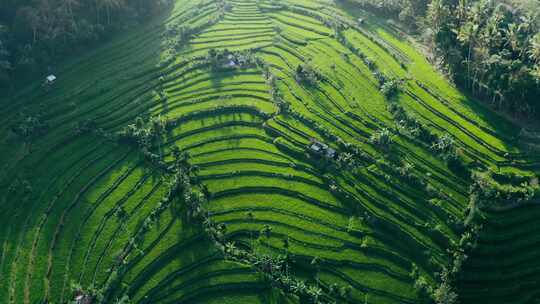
(445, 147)
(459, 168)
(382, 138)
(85, 126)
(390, 87)
(145, 132)
(489, 191)
(29, 126)
(306, 73)
(444, 294)
(410, 125)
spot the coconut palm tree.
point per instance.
(69, 5)
(534, 49)
(266, 230)
(230, 248)
(298, 287)
(110, 5)
(512, 37)
(315, 293)
(467, 36)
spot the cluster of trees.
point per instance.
(306, 73)
(181, 192)
(492, 48)
(176, 34)
(408, 124)
(145, 133)
(275, 270)
(443, 145)
(220, 59)
(390, 87)
(28, 126)
(407, 11)
(34, 32)
(382, 138)
(445, 291)
(499, 189)
(5, 64)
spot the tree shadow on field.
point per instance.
(506, 130)
(101, 85)
(216, 78)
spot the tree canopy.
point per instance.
(492, 48)
(35, 32)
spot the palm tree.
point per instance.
(110, 5)
(70, 4)
(286, 280)
(512, 37)
(445, 295)
(123, 300)
(97, 7)
(230, 248)
(536, 72)
(266, 230)
(75, 286)
(298, 287)
(438, 15)
(491, 36)
(345, 292)
(466, 36)
(534, 49)
(33, 19)
(207, 222)
(525, 31)
(315, 293)
(462, 10)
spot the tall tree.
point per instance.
(111, 5)
(5, 63)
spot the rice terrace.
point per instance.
(265, 151)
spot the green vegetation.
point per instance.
(491, 48)
(240, 151)
(34, 34)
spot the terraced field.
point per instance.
(77, 205)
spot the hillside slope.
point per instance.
(246, 88)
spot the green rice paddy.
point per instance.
(61, 191)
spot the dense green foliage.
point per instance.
(492, 48)
(34, 33)
(265, 152)
(410, 12)
(5, 64)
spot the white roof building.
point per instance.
(321, 148)
(50, 79)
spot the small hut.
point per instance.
(50, 80)
(322, 149)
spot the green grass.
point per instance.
(368, 225)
